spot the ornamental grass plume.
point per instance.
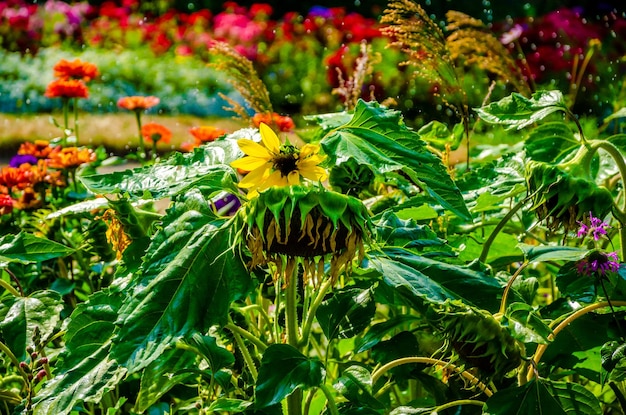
(274, 164)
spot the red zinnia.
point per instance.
(6, 204)
(137, 103)
(67, 88)
(75, 69)
(153, 132)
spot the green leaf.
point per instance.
(378, 137)
(543, 397)
(439, 136)
(188, 280)
(84, 372)
(207, 164)
(474, 285)
(232, 406)
(26, 248)
(517, 111)
(575, 286)
(550, 142)
(355, 384)
(546, 253)
(377, 332)
(347, 313)
(174, 367)
(216, 356)
(621, 113)
(525, 324)
(283, 369)
(21, 317)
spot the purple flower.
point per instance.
(18, 160)
(598, 262)
(225, 204)
(596, 228)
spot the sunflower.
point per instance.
(273, 164)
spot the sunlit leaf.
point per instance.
(378, 137)
(283, 369)
(550, 142)
(26, 248)
(189, 278)
(545, 253)
(355, 384)
(525, 324)
(172, 175)
(232, 406)
(21, 317)
(516, 111)
(377, 332)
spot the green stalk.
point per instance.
(376, 375)
(235, 329)
(332, 406)
(566, 322)
(9, 288)
(294, 400)
(142, 149)
(246, 356)
(457, 403)
(306, 330)
(505, 293)
(485, 252)
(66, 120)
(76, 119)
(5, 349)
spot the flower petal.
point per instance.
(255, 177)
(253, 149)
(269, 138)
(293, 178)
(248, 163)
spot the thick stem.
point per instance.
(430, 361)
(9, 288)
(306, 330)
(294, 401)
(505, 293)
(66, 120)
(75, 104)
(619, 395)
(5, 349)
(498, 228)
(542, 347)
(332, 406)
(235, 329)
(457, 403)
(246, 356)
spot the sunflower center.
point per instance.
(285, 160)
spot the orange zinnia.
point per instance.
(39, 149)
(67, 88)
(137, 103)
(70, 157)
(75, 69)
(153, 132)
(206, 133)
(284, 123)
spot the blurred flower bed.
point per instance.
(299, 57)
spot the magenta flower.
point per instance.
(598, 262)
(596, 228)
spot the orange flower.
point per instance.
(284, 123)
(67, 88)
(153, 132)
(39, 149)
(70, 157)
(137, 103)
(76, 69)
(24, 176)
(206, 133)
(28, 200)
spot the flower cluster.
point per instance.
(282, 122)
(597, 262)
(71, 78)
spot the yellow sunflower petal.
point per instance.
(308, 150)
(248, 163)
(253, 149)
(293, 178)
(313, 173)
(255, 177)
(269, 138)
(274, 179)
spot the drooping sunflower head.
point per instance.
(271, 163)
(305, 223)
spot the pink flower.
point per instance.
(512, 35)
(598, 262)
(596, 228)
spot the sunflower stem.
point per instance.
(498, 228)
(294, 400)
(306, 330)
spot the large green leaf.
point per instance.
(378, 137)
(347, 313)
(517, 111)
(85, 370)
(355, 384)
(470, 283)
(543, 397)
(189, 277)
(20, 317)
(283, 369)
(377, 332)
(525, 324)
(545, 253)
(550, 142)
(26, 248)
(173, 175)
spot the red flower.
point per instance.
(153, 132)
(67, 88)
(6, 204)
(284, 123)
(137, 103)
(76, 69)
